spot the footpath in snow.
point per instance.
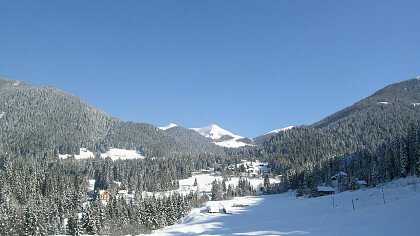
(284, 214)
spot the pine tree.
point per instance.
(72, 225)
(266, 182)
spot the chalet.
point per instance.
(361, 184)
(325, 190)
(128, 197)
(227, 209)
(205, 171)
(340, 180)
(213, 208)
(104, 195)
(122, 194)
(91, 184)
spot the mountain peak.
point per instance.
(215, 132)
(222, 137)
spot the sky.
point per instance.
(248, 66)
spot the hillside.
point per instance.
(194, 139)
(45, 121)
(386, 115)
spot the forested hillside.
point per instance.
(386, 115)
(44, 121)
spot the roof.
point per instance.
(361, 182)
(212, 207)
(123, 192)
(341, 173)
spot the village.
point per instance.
(200, 181)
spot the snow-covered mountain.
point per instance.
(223, 137)
(215, 132)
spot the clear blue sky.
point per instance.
(249, 66)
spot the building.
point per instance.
(128, 197)
(340, 181)
(325, 190)
(213, 208)
(104, 196)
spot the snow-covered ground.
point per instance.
(123, 154)
(113, 153)
(84, 153)
(204, 184)
(284, 214)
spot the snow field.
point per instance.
(204, 184)
(284, 214)
(113, 153)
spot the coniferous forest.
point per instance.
(375, 140)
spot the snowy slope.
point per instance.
(113, 153)
(171, 125)
(204, 184)
(284, 214)
(123, 154)
(84, 153)
(215, 132)
(280, 130)
(221, 136)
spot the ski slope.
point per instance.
(284, 214)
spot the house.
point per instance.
(122, 194)
(91, 184)
(128, 197)
(361, 184)
(340, 181)
(205, 171)
(213, 208)
(227, 209)
(104, 195)
(325, 190)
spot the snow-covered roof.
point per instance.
(341, 173)
(213, 207)
(123, 192)
(361, 182)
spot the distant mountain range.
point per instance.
(36, 121)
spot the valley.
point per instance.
(284, 214)
(67, 167)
